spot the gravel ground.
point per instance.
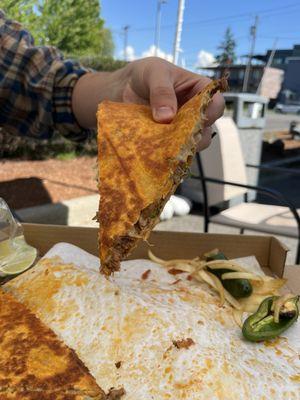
(31, 183)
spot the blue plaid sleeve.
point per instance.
(36, 86)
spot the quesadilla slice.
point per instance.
(34, 363)
(141, 163)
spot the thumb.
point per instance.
(163, 101)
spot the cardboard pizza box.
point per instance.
(270, 252)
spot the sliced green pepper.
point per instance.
(261, 325)
(238, 288)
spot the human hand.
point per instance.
(166, 87)
(154, 81)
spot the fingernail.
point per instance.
(163, 113)
(214, 134)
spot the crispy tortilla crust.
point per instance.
(141, 164)
(34, 364)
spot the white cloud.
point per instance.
(160, 53)
(130, 54)
(205, 59)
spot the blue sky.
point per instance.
(204, 24)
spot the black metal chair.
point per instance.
(223, 181)
(279, 197)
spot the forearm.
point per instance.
(36, 86)
(91, 89)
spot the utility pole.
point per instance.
(269, 63)
(157, 25)
(125, 32)
(253, 31)
(176, 48)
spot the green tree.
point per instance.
(21, 11)
(107, 44)
(18, 8)
(74, 26)
(227, 49)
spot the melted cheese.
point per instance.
(135, 321)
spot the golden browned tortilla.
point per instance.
(34, 364)
(141, 162)
(157, 339)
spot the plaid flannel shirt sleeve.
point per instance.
(36, 86)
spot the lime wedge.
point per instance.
(15, 257)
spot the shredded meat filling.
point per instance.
(148, 217)
(183, 343)
(115, 394)
(174, 271)
(122, 247)
(96, 217)
(146, 274)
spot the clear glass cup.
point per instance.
(16, 256)
(9, 227)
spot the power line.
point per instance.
(279, 14)
(247, 15)
(280, 37)
(191, 23)
(212, 47)
(266, 13)
(279, 8)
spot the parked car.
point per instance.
(293, 108)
